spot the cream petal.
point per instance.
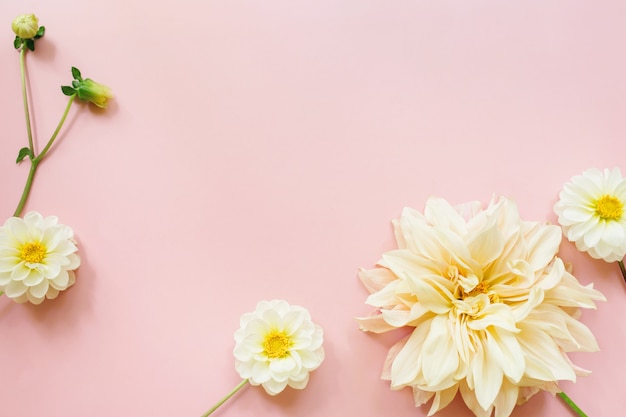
(33, 279)
(52, 237)
(391, 357)
(4, 279)
(487, 378)
(21, 271)
(260, 372)
(39, 291)
(507, 399)
(593, 236)
(614, 234)
(544, 360)
(441, 214)
(52, 293)
(7, 263)
(504, 349)
(471, 401)
(396, 318)
(374, 324)
(613, 178)
(281, 368)
(61, 281)
(571, 294)
(15, 289)
(373, 279)
(498, 315)
(72, 277)
(402, 262)
(440, 357)
(18, 229)
(34, 300)
(554, 276)
(487, 244)
(295, 321)
(575, 214)
(299, 383)
(433, 294)
(273, 387)
(74, 261)
(443, 398)
(543, 246)
(421, 397)
(535, 298)
(408, 361)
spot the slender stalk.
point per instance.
(226, 397)
(29, 183)
(34, 163)
(572, 404)
(25, 98)
(43, 153)
(622, 268)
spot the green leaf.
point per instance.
(76, 84)
(23, 153)
(67, 90)
(40, 32)
(30, 44)
(76, 74)
(17, 42)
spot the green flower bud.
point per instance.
(89, 90)
(25, 26)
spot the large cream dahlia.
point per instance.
(278, 345)
(493, 308)
(37, 258)
(591, 210)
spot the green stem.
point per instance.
(226, 397)
(25, 98)
(572, 404)
(57, 130)
(34, 163)
(29, 183)
(621, 268)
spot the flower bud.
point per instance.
(89, 90)
(25, 26)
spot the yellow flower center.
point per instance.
(609, 208)
(277, 344)
(481, 288)
(33, 252)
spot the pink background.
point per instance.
(258, 150)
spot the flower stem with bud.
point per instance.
(226, 398)
(27, 31)
(30, 150)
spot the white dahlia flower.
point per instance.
(37, 258)
(493, 309)
(278, 345)
(592, 213)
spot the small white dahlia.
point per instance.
(493, 309)
(278, 345)
(591, 210)
(37, 258)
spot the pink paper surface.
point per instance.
(259, 150)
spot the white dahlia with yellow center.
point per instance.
(592, 213)
(493, 308)
(37, 258)
(278, 346)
